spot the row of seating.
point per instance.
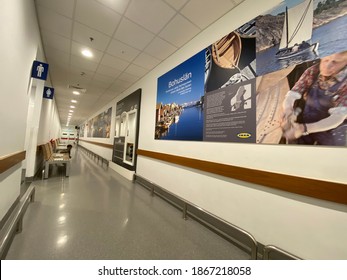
(57, 145)
(56, 153)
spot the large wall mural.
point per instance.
(277, 79)
(99, 126)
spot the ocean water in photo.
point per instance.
(332, 38)
(189, 126)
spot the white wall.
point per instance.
(49, 128)
(20, 46)
(306, 227)
(49, 122)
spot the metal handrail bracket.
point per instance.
(271, 248)
(185, 210)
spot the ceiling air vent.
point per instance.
(77, 88)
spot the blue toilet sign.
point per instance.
(48, 92)
(39, 70)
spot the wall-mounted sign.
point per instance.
(39, 70)
(48, 92)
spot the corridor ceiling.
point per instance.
(128, 38)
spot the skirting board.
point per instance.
(128, 174)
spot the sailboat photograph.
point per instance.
(297, 31)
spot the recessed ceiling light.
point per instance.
(72, 106)
(87, 53)
(76, 92)
(74, 101)
(71, 111)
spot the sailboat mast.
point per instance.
(287, 28)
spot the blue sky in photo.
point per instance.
(194, 65)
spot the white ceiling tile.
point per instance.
(98, 84)
(177, 4)
(77, 48)
(97, 16)
(204, 12)
(63, 7)
(179, 31)
(128, 77)
(111, 93)
(160, 48)
(136, 70)
(146, 61)
(104, 99)
(76, 79)
(99, 103)
(91, 95)
(238, 1)
(151, 14)
(89, 101)
(103, 78)
(133, 34)
(57, 57)
(58, 74)
(119, 5)
(82, 34)
(108, 71)
(120, 85)
(54, 22)
(83, 64)
(114, 62)
(59, 71)
(63, 90)
(65, 100)
(67, 25)
(123, 51)
(56, 41)
(77, 71)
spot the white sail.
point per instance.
(300, 20)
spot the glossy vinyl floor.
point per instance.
(97, 214)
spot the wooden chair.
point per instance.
(55, 158)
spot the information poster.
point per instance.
(126, 132)
(180, 101)
(280, 78)
(230, 114)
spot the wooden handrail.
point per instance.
(98, 144)
(6, 162)
(330, 191)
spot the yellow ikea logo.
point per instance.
(244, 135)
